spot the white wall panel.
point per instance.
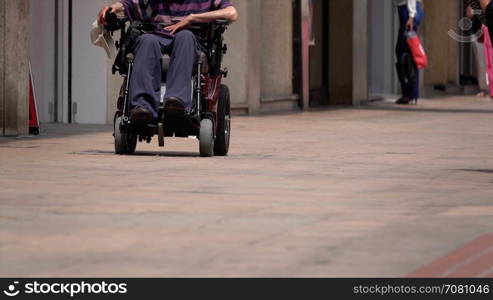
(88, 65)
(42, 55)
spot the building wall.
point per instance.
(277, 55)
(2, 68)
(443, 52)
(360, 52)
(14, 69)
(89, 73)
(261, 61)
(348, 52)
(341, 87)
(383, 31)
(277, 49)
(49, 55)
(235, 60)
(318, 50)
(42, 56)
(62, 67)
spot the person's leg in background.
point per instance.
(479, 54)
(417, 22)
(488, 53)
(410, 91)
(401, 48)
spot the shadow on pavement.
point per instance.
(421, 109)
(141, 153)
(377, 106)
(54, 131)
(487, 171)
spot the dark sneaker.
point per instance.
(403, 101)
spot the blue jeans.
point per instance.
(408, 90)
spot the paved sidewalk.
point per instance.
(374, 191)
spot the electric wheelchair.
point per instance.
(210, 118)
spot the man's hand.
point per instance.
(102, 15)
(410, 24)
(183, 24)
(117, 8)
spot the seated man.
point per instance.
(175, 40)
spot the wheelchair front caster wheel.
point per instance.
(125, 142)
(206, 138)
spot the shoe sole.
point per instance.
(141, 117)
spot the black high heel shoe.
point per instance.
(404, 101)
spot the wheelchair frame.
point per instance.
(210, 118)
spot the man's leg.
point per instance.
(414, 89)
(183, 58)
(145, 83)
(478, 50)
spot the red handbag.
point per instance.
(417, 50)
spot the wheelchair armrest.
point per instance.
(222, 22)
(200, 26)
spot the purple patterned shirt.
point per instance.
(169, 11)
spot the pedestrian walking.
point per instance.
(482, 10)
(480, 49)
(411, 14)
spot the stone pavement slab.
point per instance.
(373, 191)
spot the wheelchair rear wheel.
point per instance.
(206, 138)
(125, 142)
(221, 145)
